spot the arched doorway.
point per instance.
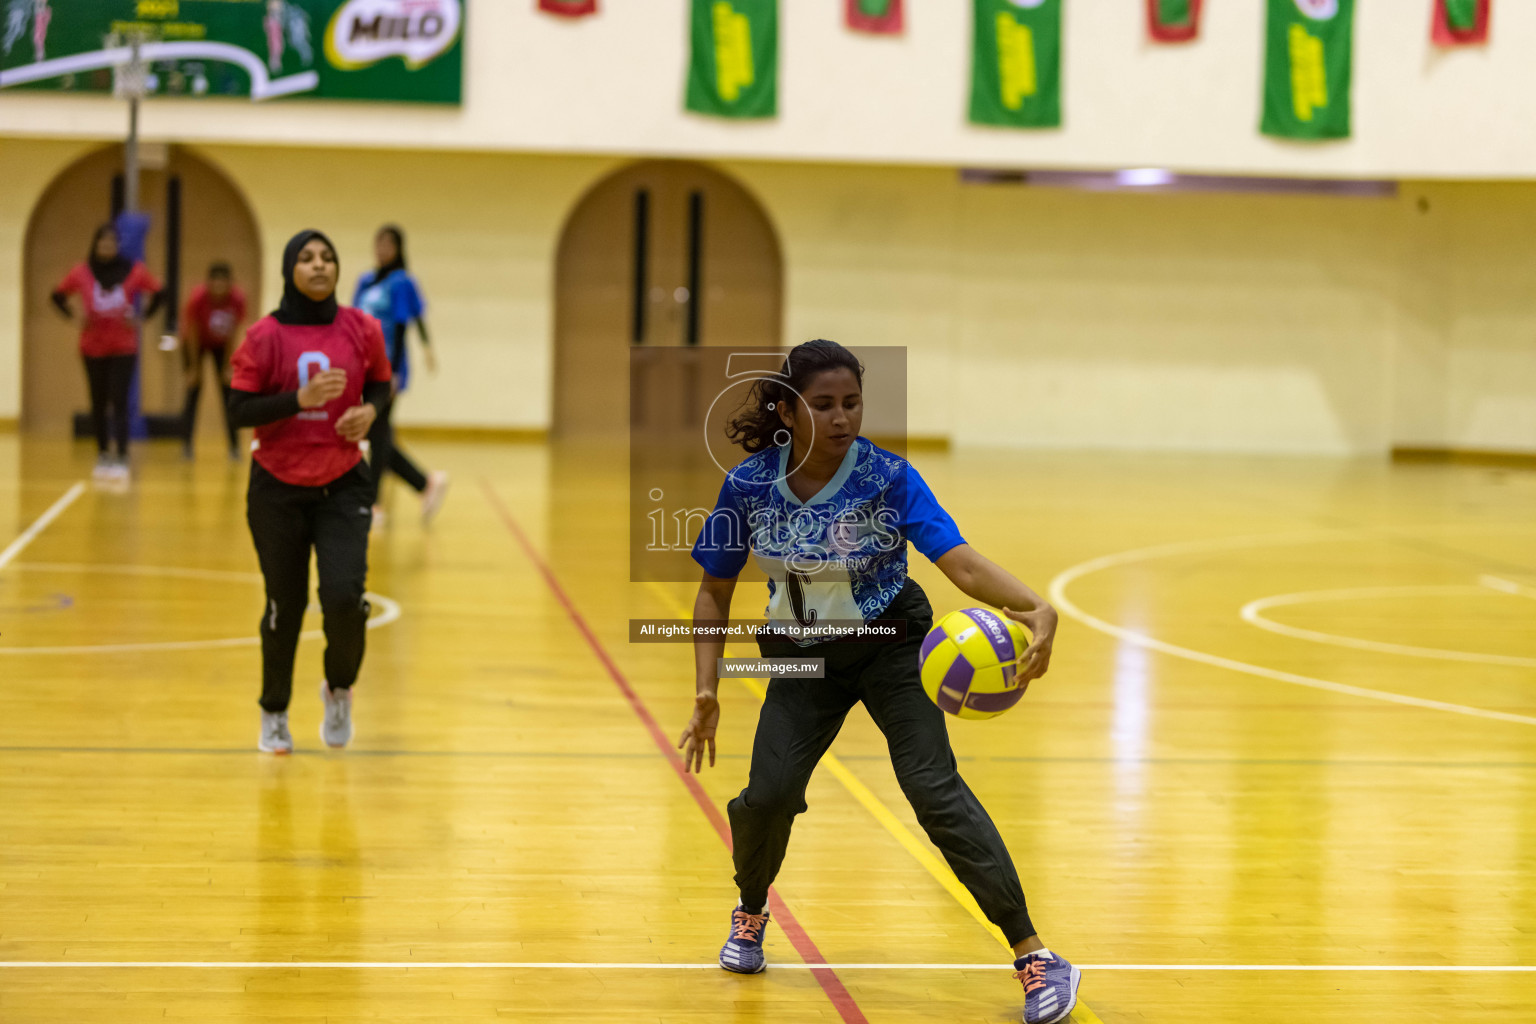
(197, 216)
(659, 254)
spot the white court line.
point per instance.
(1058, 595)
(30, 533)
(1252, 614)
(390, 609)
(563, 966)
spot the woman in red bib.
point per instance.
(311, 378)
(109, 285)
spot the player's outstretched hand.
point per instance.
(356, 421)
(322, 387)
(700, 733)
(1036, 659)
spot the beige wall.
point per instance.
(481, 233)
(1467, 360)
(1032, 316)
(613, 84)
(26, 168)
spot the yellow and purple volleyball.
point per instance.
(968, 661)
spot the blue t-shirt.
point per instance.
(394, 301)
(840, 557)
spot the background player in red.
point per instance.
(311, 378)
(109, 285)
(210, 326)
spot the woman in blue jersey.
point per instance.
(827, 515)
(389, 294)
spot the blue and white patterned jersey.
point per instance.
(840, 557)
(394, 301)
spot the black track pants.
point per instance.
(110, 378)
(286, 522)
(799, 721)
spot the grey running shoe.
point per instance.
(336, 727)
(275, 738)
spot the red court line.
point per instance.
(840, 996)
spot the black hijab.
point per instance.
(398, 263)
(296, 307)
(108, 273)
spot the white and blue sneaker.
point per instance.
(1050, 986)
(743, 950)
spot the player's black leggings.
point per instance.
(220, 356)
(800, 719)
(110, 378)
(286, 521)
(385, 457)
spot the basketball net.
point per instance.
(130, 79)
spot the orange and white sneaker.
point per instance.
(336, 726)
(743, 950)
(1050, 986)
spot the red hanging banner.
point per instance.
(880, 17)
(1461, 22)
(1173, 21)
(568, 8)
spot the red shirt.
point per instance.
(109, 328)
(214, 319)
(274, 358)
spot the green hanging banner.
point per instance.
(1307, 69)
(1016, 64)
(734, 70)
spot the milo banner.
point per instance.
(734, 70)
(408, 50)
(1173, 21)
(1016, 64)
(1307, 64)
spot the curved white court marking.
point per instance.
(1252, 613)
(389, 608)
(1058, 596)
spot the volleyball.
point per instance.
(968, 662)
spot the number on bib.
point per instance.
(312, 359)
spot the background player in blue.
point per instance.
(390, 295)
(828, 514)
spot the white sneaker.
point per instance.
(103, 470)
(432, 497)
(336, 726)
(120, 470)
(275, 738)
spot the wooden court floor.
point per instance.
(1284, 766)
